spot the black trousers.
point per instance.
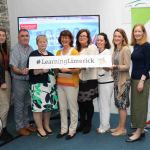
(86, 110)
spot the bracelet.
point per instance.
(143, 78)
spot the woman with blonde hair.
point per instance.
(42, 90)
(140, 82)
(121, 65)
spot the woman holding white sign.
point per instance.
(43, 91)
(105, 85)
(121, 65)
(88, 86)
(68, 86)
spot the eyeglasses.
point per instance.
(82, 36)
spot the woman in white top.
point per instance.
(88, 86)
(105, 85)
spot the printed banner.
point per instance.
(86, 61)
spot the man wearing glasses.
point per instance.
(20, 84)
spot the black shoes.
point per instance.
(142, 134)
(49, 132)
(6, 136)
(69, 137)
(86, 129)
(42, 136)
(60, 135)
(134, 140)
(80, 128)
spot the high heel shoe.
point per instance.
(69, 137)
(49, 132)
(42, 136)
(60, 135)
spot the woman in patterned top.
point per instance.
(88, 85)
(43, 90)
(121, 65)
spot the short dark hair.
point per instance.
(107, 45)
(78, 45)
(66, 33)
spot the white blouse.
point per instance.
(89, 73)
(105, 76)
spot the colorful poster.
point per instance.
(128, 4)
(51, 26)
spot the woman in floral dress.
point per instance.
(43, 90)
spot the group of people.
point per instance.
(74, 89)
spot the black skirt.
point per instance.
(88, 90)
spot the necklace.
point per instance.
(43, 52)
(101, 50)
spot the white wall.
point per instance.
(110, 12)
